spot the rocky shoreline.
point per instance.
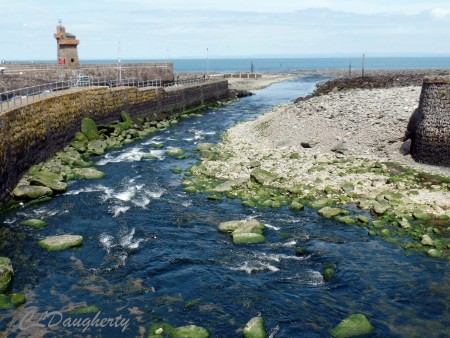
(338, 153)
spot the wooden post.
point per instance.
(362, 70)
(350, 68)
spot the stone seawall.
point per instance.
(24, 75)
(32, 133)
(429, 126)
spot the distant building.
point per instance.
(67, 46)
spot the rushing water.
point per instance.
(152, 253)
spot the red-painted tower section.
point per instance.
(67, 46)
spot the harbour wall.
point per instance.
(32, 133)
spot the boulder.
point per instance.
(248, 238)
(18, 299)
(190, 331)
(354, 325)
(296, 206)
(254, 328)
(87, 173)
(320, 203)
(329, 212)
(340, 148)
(231, 226)
(262, 176)
(175, 152)
(55, 243)
(204, 146)
(31, 191)
(426, 240)
(5, 302)
(6, 273)
(34, 223)
(89, 129)
(49, 180)
(230, 185)
(379, 208)
(250, 226)
(96, 147)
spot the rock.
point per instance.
(87, 173)
(230, 185)
(35, 223)
(347, 187)
(175, 152)
(5, 302)
(248, 238)
(55, 243)
(318, 204)
(250, 226)
(421, 216)
(404, 223)
(308, 144)
(96, 147)
(89, 129)
(296, 189)
(426, 240)
(355, 325)
(329, 212)
(6, 273)
(380, 208)
(204, 146)
(434, 253)
(176, 170)
(148, 157)
(231, 226)
(49, 180)
(296, 206)
(254, 328)
(405, 149)
(190, 189)
(362, 219)
(346, 220)
(80, 310)
(79, 145)
(262, 176)
(31, 192)
(190, 331)
(80, 137)
(18, 299)
(340, 148)
(156, 145)
(328, 273)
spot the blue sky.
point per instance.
(161, 29)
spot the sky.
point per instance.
(170, 29)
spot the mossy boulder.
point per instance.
(6, 273)
(190, 331)
(230, 185)
(18, 299)
(380, 208)
(250, 226)
(62, 242)
(96, 147)
(254, 328)
(89, 129)
(5, 302)
(248, 238)
(81, 310)
(34, 223)
(232, 226)
(204, 146)
(296, 206)
(329, 212)
(31, 191)
(328, 273)
(50, 180)
(320, 203)
(354, 325)
(262, 176)
(421, 216)
(175, 152)
(86, 173)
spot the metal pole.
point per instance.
(119, 65)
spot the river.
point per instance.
(152, 253)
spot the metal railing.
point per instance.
(22, 96)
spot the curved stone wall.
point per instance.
(429, 126)
(31, 134)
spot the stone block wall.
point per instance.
(429, 126)
(33, 133)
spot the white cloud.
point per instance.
(440, 13)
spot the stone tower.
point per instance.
(67, 46)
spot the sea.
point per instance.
(290, 64)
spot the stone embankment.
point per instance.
(335, 152)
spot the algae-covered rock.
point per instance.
(231, 226)
(328, 273)
(426, 240)
(190, 331)
(380, 208)
(362, 219)
(346, 220)
(175, 152)
(296, 206)
(86, 173)
(55, 243)
(248, 238)
(250, 226)
(89, 129)
(96, 147)
(254, 328)
(6, 273)
(230, 185)
(421, 216)
(262, 176)
(50, 180)
(204, 146)
(434, 253)
(354, 325)
(31, 191)
(5, 302)
(329, 212)
(81, 310)
(18, 299)
(34, 223)
(320, 203)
